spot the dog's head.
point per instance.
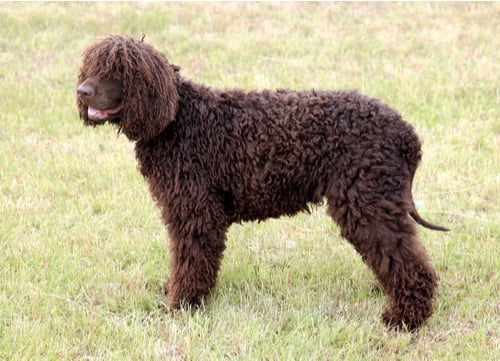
(127, 83)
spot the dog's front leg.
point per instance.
(197, 246)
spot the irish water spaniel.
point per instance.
(214, 157)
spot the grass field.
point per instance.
(84, 253)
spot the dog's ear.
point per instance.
(150, 94)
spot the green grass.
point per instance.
(84, 253)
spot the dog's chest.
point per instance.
(156, 164)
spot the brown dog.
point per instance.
(213, 157)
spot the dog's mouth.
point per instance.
(101, 100)
(101, 115)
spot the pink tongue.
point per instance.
(96, 114)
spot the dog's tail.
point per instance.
(412, 152)
(414, 214)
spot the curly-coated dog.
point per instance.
(213, 157)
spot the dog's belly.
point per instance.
(262, 209)
(275, 199)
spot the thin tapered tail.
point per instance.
(414, 214)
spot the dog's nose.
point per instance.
(85, 90)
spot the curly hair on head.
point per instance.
(145, 74)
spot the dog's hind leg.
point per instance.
(377, 224)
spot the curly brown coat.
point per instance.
(213, 157)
